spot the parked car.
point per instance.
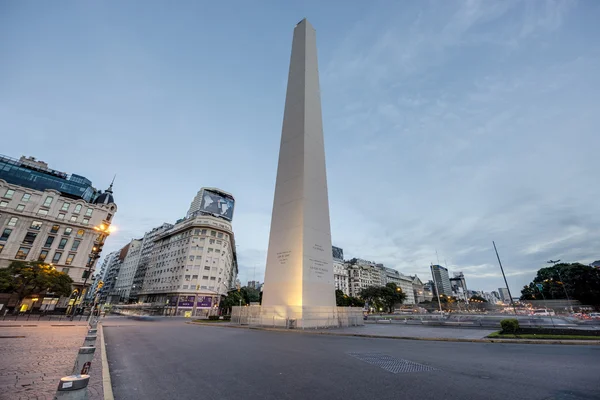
(595, 315)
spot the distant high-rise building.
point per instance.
(124, 281)
(459, 286)
(442, 280)
(503, 292)
(145, 257)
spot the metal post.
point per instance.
(83, 362)
(546, 304)
(505, 281)
(72, 387)
(554, 262)
(90, 341)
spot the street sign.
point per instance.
(540, 286)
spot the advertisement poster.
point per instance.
(217, 204)
(186, 301)
(204, 302)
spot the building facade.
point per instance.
(51, 217)
(441, 280)
(145, 257)
(418, 289)
(340, 272)
(112, 272)
(503, 295)
(389, 275)
(192, 265)
(362, 274)
(100, 276)
(458, 285)
(124, 280)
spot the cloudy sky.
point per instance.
(448, 124)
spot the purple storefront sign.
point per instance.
(204, 301)
(186, 301)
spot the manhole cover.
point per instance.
(391, 364)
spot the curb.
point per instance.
(106, 382)
(505, 341)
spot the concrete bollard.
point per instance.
(83, 363)
(90, 340)
(72, 387)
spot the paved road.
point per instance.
(168, 359)
(401, 330)
(33, 359)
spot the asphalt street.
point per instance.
(168, 359)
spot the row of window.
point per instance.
(23, 252)
(47, 203)
(31, 236)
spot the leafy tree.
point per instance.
(343, 300)
(371, 295)
(340, 298)
(579, 281)
(391, 295)
(232, 299)
(383, 296)
(27, 278)
(250, 295)
(528, 292)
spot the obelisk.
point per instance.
(299, 272)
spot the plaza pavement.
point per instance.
(35, 355)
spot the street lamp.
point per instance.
(104, 230)
(562, 282)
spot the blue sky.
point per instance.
(448, 124)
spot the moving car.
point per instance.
(543, 312)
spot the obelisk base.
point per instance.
(298, 317)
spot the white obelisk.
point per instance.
(299, 273)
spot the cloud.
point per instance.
(459, 133)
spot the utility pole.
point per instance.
(505, 281)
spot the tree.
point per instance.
(343, 300)
(27, 278)
(232, 299)
(579, 281)
(383, 296)
(250, 295)
(391, 295)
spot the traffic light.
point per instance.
(100, 284)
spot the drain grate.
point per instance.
(391, 364)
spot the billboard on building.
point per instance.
(338, 253)
(186, 301)
(204, 302)
(217, 204)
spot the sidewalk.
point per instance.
(34, 358)
(42, 323)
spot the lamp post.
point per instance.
(94, 255)
(562, 282)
